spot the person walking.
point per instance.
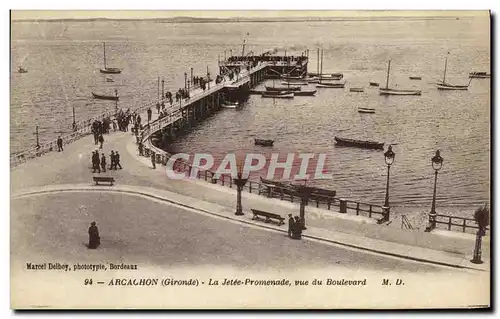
(153, 155)
(101, 140)
(94, 238)
(291, 225)
(117, 160)
(103, 162)
(297, 232)
(150, 113)
(112, 161)
(95, 162)
(59, 144)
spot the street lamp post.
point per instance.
(240, 183)
(116, 101)
(304, 193)
(437, 163)
(482, 217)
(185, 80)
(162, 89)
(74, 119)
(389, 156)
(37, 140)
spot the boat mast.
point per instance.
(243, 49)
(317, 67)
(321, 69)
(388, 71)
(445, 66)
(104, 55)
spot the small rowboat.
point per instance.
(291, 88)
(274, 183)
(365, 110)
(331, 85)
(280, 95)
(289, 77)
(415, 78)
(374, 84)
(109, 80)
(479, 75)
(104, 97)
(230, 105)
(304, 93)
(358, 143)
(294, 83)
(262, 142)
(356, 90)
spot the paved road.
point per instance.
(135, 230)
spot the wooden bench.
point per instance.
(103, 179)
(268, 216)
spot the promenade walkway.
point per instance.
(71, 169)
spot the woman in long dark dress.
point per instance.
(94, 239)
(297, 228)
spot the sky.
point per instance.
(124, 14)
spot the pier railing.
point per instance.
(321, 201)
(83, 128)
(176, 114)
(457, 223)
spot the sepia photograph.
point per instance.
(264, 160)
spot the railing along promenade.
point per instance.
(83, 128)
(162, 157)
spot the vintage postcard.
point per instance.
(250, 159)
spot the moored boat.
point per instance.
(105, 97)
(390, 91)
(330, 85)
(22, 70)
(304, 93)
(374, 84)
(366, 110)
(108, 70)
(278, 95)
(230, 105)
(443, 85)
(446, 86)
(356, 90)
(288, 77)
(293, 83)
(263, 142)
(386, 91)
(479, 75)
(109, 80)
(274, 183)
(291, 88)
(415, 78)
(358, 143)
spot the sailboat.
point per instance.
(389, 91)
(106, 69)
(447, 86)
(327, 85)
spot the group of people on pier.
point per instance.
(99, 163)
